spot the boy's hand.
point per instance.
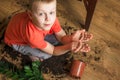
(85, 48)
(82, 35)
(78, 41)
(86, 37)
(80, 46)
(76, 46)
(78, 35)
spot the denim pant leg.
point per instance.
(52, 39)
(27, 50)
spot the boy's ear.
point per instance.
(29, 14)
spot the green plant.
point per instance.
(28, 73)
(33, 73)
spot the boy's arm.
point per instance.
(76, 36)
(79, 35)
(69, 45)
(56, 50)
(59, 50)
(62, 37)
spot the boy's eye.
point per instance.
(51, 12)
(40, 14)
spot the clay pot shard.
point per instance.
(77, 69)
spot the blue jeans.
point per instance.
(27, 50)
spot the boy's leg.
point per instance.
(33, 52)
(27, 50)
(52, 39)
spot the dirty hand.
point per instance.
(80, 46)
(86, 37)
(78, 35)
(81, 35)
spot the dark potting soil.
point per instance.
(11, 54)
(56, 64)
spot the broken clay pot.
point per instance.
(77, 68)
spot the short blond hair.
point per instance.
(31, 2)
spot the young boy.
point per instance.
(37, 32)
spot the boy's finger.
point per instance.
(76, 36)
(87, 37)
(74, 45)
(90, 36)
(79, 46)
(82, 32)
(85, 48)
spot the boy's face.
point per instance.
(44, 14)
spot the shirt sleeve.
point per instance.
(56, 26)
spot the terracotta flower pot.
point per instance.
(77, 68)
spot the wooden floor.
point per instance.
(105, 27)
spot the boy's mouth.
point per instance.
(47, 25)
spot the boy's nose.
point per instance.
(47, 18)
